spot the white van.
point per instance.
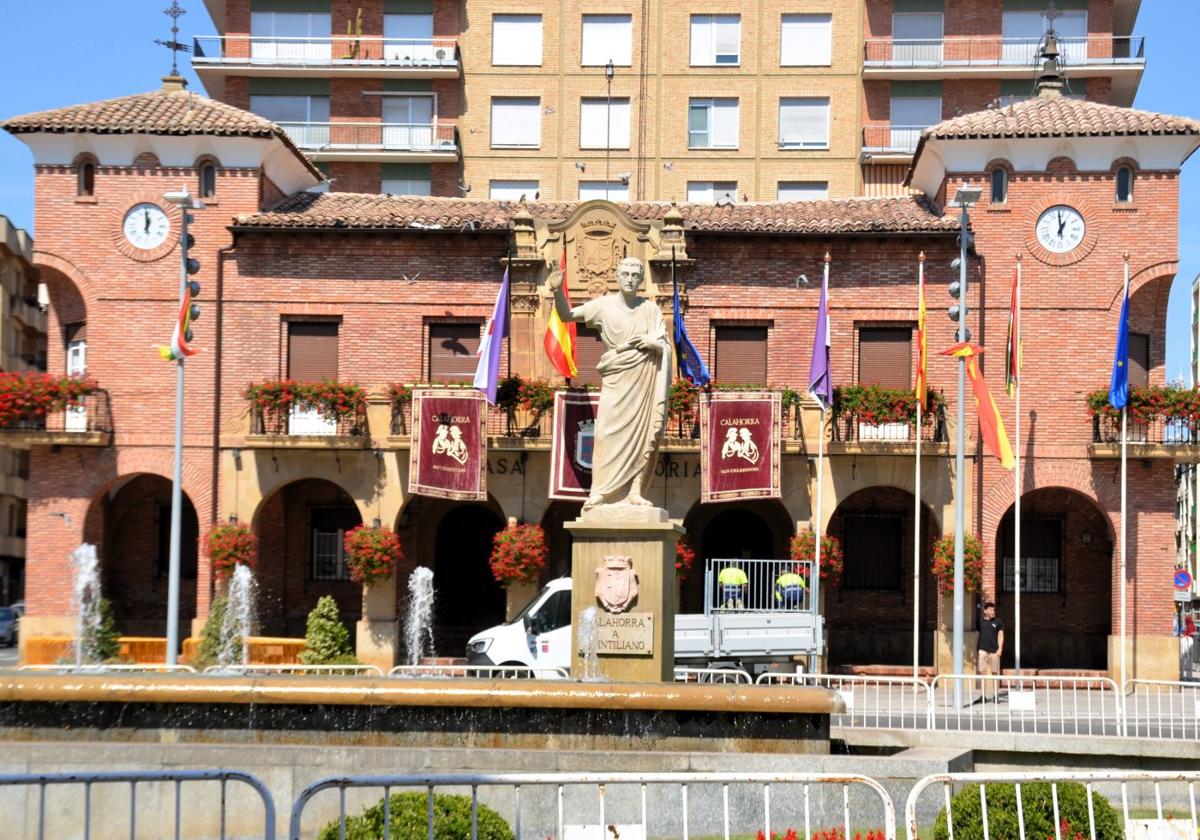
(539, 636)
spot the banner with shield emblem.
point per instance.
(740, 444)
(571, 444)
(448, 457)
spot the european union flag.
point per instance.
(691, 366)
(1118, 389)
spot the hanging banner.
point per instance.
(448, 455)
(571, 444)
(740, 443)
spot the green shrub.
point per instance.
(102, 642)
(326, 639)
(1038, 806)
(409, 820)
(209, 650)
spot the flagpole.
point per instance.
(1016, 362)
(1124, 464)
(819, 528)
(917, 489)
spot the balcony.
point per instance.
(381, 142)
(1169, 437)
(1120, 57)
(307, 427)
(87, 423)
(891, 141)
(508, 427)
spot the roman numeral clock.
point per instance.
(1060, 234)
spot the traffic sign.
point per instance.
(1183, 580)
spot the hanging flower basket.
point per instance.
(372, 554)
(685, 556)
(804, 550)
(231, 545)
(942, 564)
(28, 397)
(518, 554)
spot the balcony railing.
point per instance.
(850, 428)
(1161, 431)
(372, 137)
(501, 422)
(892, 139)
(306, 421)
(996, 51)
(92, 414)
(340, 51)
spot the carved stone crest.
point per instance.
(616, 584)
(596, 256)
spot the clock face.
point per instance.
(1060, 229)
(146, 226)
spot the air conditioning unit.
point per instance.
(440, 54)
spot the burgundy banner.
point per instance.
(571, 444)
(740, 435)
(448, 457)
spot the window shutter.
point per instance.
(885, 357)
(452, 349)
(516, 121)
(804, 122)
(595, 119)
(917, 27)
(707, 192)
(607, 38)
(312, 351)
(408, 27)
(1139, 359)
(512, 190)
(588, 350)
(741, 355)
(806, 40)
(609, 190)
(727, 36)
(723, 123)
(517, 39)
(702, 46)
(916, 111)
(803, 190)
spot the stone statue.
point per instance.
(635, 375)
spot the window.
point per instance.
(408, 122)
(711, 192)
(871, 551)
(312, 351)
(999, 185)
(1139, 360)
(910, 115)
(803, 190)
(516, 39)
(806, 40)
(712, 123)
(1022, 34)
(304, 118)
(741, 357)
(1124, 184)
(452, 349)
(208, 179)
(885, 356)
(406, 186)
(716, 39)
(607, 38)
(917, 38)
(517, 121)
(86, 178)
(408, 38)
(610, 190)
(1041, 554)
(804, 123)
(598, 117)
(512, 190)
(189, 536)
(290, 37)
(588, 350)
(329, 527)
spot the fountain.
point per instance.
(589, 645)
(85, 597)
(238, 625)
(418, 623)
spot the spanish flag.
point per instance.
(559, 340)
(922, 387)
(1012, 350)
(991, 426)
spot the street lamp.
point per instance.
(966, 197)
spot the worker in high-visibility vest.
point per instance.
(733, 582)
(789, 590)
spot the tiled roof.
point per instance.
(375, 212)
(1059, 117)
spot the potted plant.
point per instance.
(231, 545)
(942, 563)
(804, 549)
(400, 400)
(27, 398)
(681, 406)
(372, 554)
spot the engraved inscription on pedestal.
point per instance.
(630, 634)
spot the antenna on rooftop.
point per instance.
(174, 13)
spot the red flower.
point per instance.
(229, 546)
(518, 554)
(372, 554)
(804, 550)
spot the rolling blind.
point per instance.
(716, 39)
(517, 39)
(806, 40)
(1139, 359)
(607, 38)
(312, 351)
(885, 357)
(516, 121)
(741, 355)
(596, 116)
(803, 190)
(452, 349)
(588, 350)
(804, 122)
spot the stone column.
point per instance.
(377, 634)
(636, 643)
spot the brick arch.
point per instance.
(61, 265)
(1078, 476)
(365, 506)
(127, 463)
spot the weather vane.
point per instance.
(174, 13)
(1051, 14)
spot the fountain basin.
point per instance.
(523, 714)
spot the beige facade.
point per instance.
(658, 83)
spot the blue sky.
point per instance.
(96, 54)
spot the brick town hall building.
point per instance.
(378, 290)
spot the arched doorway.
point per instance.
(751, 530)
(130, 525)
(468, 597)
(1066, 573)
(301, 557)
(869, 612)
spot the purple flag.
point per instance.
(820, 383)
(487, 373)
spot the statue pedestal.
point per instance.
(636, 644)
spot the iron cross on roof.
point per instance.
(175, 13)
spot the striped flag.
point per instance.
(180, 348)
(487, 372)
(991, 425)
(560, 338)
(922, 379)
(1012, 350)
(820, 381)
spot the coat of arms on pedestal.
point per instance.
(616, 584)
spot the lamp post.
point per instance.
(966, 198)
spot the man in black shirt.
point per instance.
(991, 645)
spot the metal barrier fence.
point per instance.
(1029, 704)
(713, 676)
(763, 590)
(140, 667)
(871, 702)
(1162, 709)
(292, 668)
(1035, 817)
(211, 818)
(602, 805)
(481, 672)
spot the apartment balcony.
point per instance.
(890, 143)
(87, 423)
(380, 142)
(307, 427)
(217, 56)
(1123, 58)
(1169, 437)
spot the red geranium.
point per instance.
(372, 554)
(942, 564)
(28, 397)
(518, 554)
(231, 545)
(685, 556)
(804, 550)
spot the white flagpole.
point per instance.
(1017, 480)
(917, 499)
(1124, 454)
(818, 524)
